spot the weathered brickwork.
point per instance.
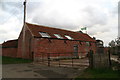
(9, 48)
(44, 46)
(27, 45)
(10, 52)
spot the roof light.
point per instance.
(68, 37)
(44, 34)
(58, 36)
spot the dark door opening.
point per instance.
(76, 50)
(32, 57)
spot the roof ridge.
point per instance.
(52, 27)
(11, 40)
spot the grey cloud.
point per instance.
(12, 7)
(92, 33)
(10, 10)
(52, 18)
(102, 31)
(31, 6)
(115, 10)
(95, 16)
(119, 19)
(53, 22)
(3, 31)
(55, 17)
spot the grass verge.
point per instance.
(9, 60)
(99, 73)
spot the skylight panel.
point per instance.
(68, 37)
(58, 36)
(44, 34)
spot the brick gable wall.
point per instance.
(27, 43)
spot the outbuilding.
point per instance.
(37, 41)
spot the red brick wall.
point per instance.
(43, 46)
(10, 52)
(9, 48)
(28, 45)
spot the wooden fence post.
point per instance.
(109, 57)
(42, 58)
(48, 59)
(118, 52)
(72, 61)
(59, 58)
(90, 56)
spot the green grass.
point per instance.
(106, 73)
(9, 60)
(99, 73)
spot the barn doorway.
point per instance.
(76, 50)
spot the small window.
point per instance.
(68, 37)
(80, 42)
(58, 36)
(90, 44)
(87, 43)
(65, 41)
(44, 34)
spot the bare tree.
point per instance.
(118, 41)
(112, 43)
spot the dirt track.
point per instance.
(38, 71)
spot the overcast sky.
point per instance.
(99, 16)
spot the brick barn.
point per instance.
(35, 41)
(9, 48)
